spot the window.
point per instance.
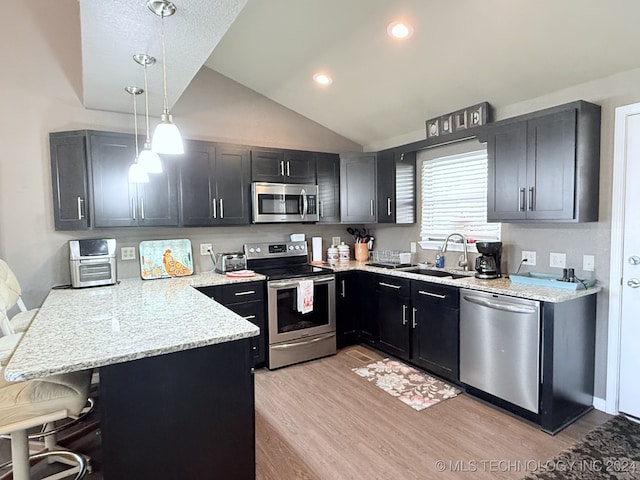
(454, 198)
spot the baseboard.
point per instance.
(600, 404)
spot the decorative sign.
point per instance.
(454, 122)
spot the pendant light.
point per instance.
(148, 159)
(136, 172)
(166, 137)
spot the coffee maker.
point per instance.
(488, 263)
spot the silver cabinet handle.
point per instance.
(133, 207)
(288, 169)
(531, 205)
(343, 294)
(413, 317)
(404, 314)
(80, 202)
(214, 206)
(142, 208)
(371, 208)
(383, 284)
(249, 317)
(246, 292)
(633, 283)
(388, 206)
(221, 208)
(321, 205)
(522, 200)
(282, 168)
(634, 260)
(437, 295)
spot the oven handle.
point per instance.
(294, 283)
(282, 346)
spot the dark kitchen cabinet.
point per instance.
(396, 187)
(214, 184)
(247, 300)
(393, 315)
(544, 166)
(358, 188)
(435, 328)
(348, 307)
(70, 180)
(367, 316)
(283, 166)
(118, 203)
(328, 174)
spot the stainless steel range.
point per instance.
(295, 334)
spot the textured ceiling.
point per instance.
(114, 31)
(462, 52)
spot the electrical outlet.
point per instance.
(413, 247)
(558, 260)
(205, 248)
(128, 253)
(588, 263)
(335, 240)
(529, 256)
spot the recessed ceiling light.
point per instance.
(399, 29)
(323, 79)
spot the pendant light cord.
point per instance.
(146, 101)
(135, 123)
(164, 64)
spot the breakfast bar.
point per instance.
(176, 381)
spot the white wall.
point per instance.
(40, 92)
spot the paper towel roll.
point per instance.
(316, 243)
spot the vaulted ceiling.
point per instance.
(462, 52)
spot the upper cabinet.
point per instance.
(544, 166)
(70, 180)
(214, 184)
(396, 188)
(283, 166)
(358, 202)
(328, 174)
(118, 203)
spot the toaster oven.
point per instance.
(92, 262)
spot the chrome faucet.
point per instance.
(463, 261)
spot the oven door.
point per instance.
(284, 203)
(286, 323)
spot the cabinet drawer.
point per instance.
(387, 283)
(442, 295)
(242, 292)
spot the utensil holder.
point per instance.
(361, 252)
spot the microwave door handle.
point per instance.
(305, 203)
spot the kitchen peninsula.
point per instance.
(176, 380)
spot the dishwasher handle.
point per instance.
(497, 305)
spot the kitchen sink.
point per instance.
(440, 273)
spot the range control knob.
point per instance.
(297, 247)
(251, 250)
(290, 247)
(258, 249)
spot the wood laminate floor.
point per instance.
(320, 421)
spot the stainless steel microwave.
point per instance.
(284, 202)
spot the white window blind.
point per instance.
(454, 198)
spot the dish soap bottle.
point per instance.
(439, 259)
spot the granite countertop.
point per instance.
(78, 329)
(502, 286)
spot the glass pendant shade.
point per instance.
(149, 160)
(166, 137)
(137, 174)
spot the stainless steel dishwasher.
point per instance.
(500, 346)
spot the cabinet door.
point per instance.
(197, 193)
(358, 188)
(551, 166)
(394, 311)
(114, 198)
(386, 174)
(507, 172)
(348, 306)
(231, 177)
(299, 167)
(328, 172)
(157, 201)
(267, 166)
(435, 329)
(70, 180)
(254, 313)
(405, 188)
(367, 315)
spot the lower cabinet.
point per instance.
(394, 307)
(348, 305)
(435, 328)
(247, 300)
